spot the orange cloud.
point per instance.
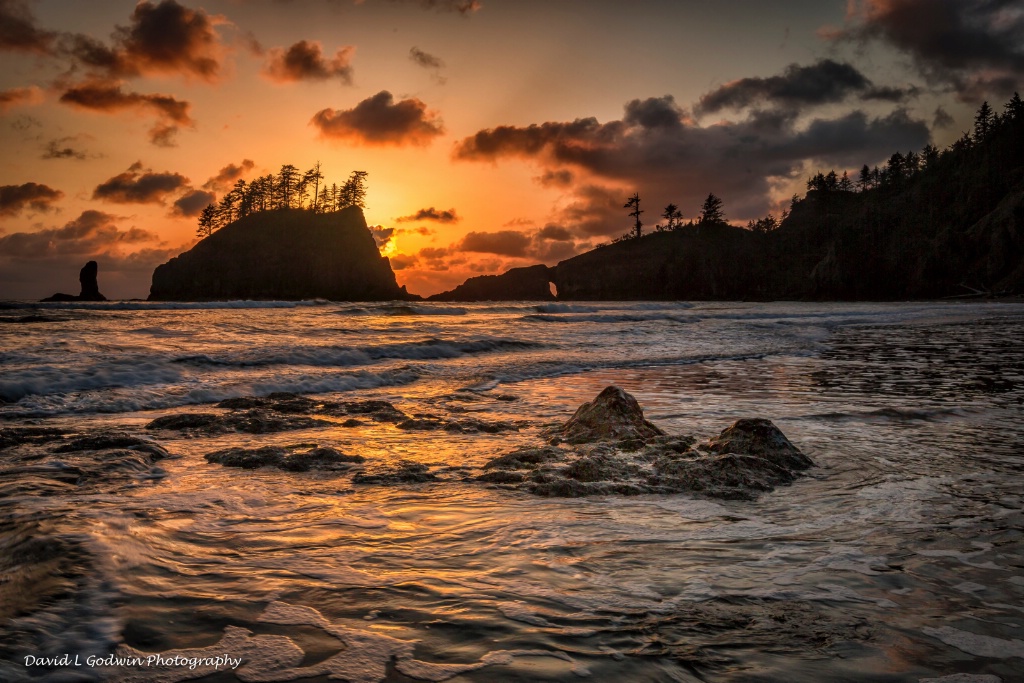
(379, 120)
(305, 61)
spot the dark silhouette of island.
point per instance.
(531, 283)
(90, 287)
(285, 254)
(930, 224)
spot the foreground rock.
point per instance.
(322, 458)
(249, 422)
(614, 414)
(102, 462)
(614, 450)
(90, 287)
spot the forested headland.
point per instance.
(927, 223)
(288, 189)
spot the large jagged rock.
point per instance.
(287, 254)
(532, 283)
(613, 416)
(90, 286)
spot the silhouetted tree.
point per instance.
(314, 176)
(634, 203)
(864, 181)
(711, 210)
(673, 216)
(845, 184)
(983, 121)
(353, 192)
(207, 221)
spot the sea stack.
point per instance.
(90, 286)
(285, 254)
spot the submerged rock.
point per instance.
(15, 436)
(102, 462)
(402, 472)
(613, 416)
(323, 458)
(526, 458)
(255, 421)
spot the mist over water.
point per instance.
(899, 558)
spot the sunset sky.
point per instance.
(496, 133)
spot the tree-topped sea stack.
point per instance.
(283, 254)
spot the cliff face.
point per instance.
(288, 254)
(517, 284)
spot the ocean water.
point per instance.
(900, 557)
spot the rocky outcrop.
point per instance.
(614, 450)
(90, 286)
(287, 254)
(322, 458)
(532, 283)
(613, 415)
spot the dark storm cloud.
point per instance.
(34, 196)
(431, 214)
(379, 120)
(942, 118)
(91, 232)
(161, 38)
(139, 186)
(18, 30)
(976, 46)
(18, 96)
(305, 61)
(824, 82)
(227, 176)
(682, 163)
(554, 232)
(109, 98)
(654, 112)
(426, 60)
(192, 203)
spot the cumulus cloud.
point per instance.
(431, 214)
(680, 161)
(975, 46)
(379, 120)
(162, 38)
(305, 61)
(18, 30)
(92, 232)
(15, 97)
(549, 244)
(108, 98)
(139, 186)
(35, 264)
(192, 203)
(33, 196)
(823, 82)
(502, 243)
(227, 176)
(403, 261)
